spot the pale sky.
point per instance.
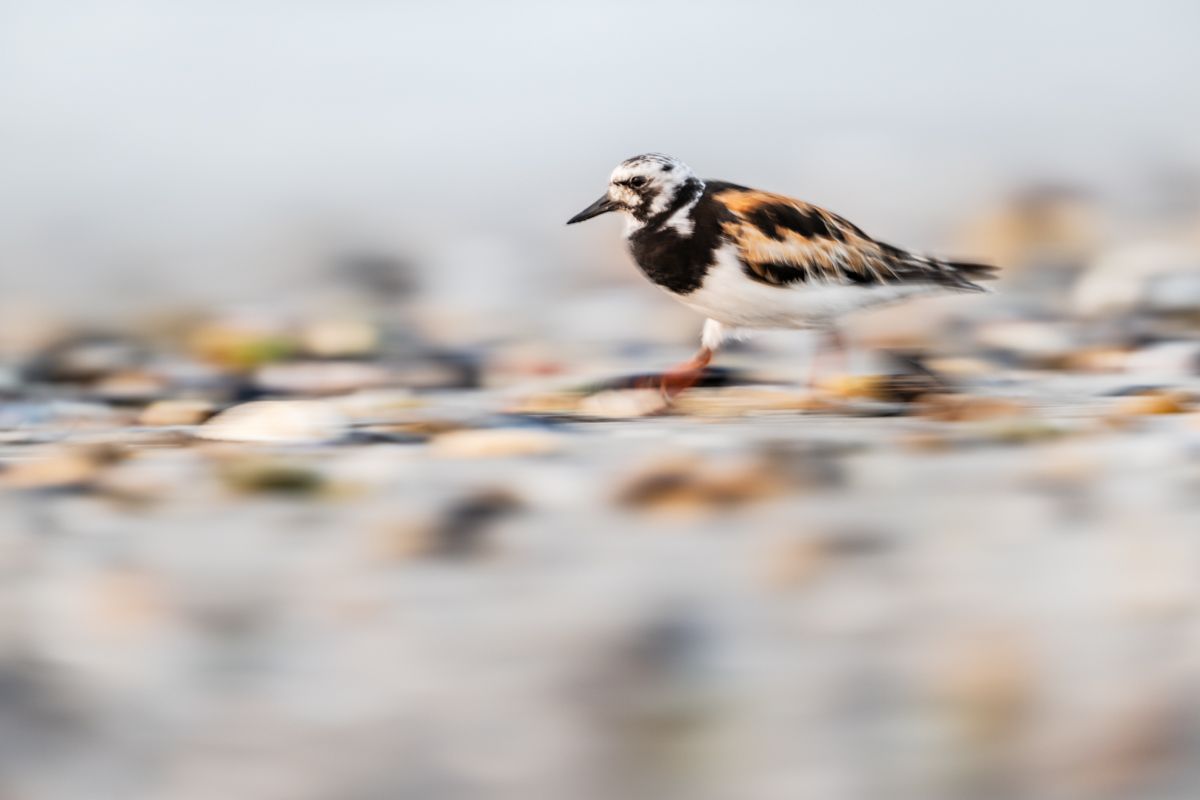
(146, 129)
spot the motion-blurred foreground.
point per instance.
(391, 522)
(253, 555)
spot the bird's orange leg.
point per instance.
(680, 378)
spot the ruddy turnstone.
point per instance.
(748, 259)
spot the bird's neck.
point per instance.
(675, 212)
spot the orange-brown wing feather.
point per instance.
(782, 240)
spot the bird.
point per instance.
(750, 260)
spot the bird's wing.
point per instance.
(784, 241)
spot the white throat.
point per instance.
(681, 220)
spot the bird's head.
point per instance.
(642, 187)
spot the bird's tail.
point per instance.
(964, 274)
(958, 275)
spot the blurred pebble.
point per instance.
(378, 276)
(377, 405)
(1174, 292)
(1101, 358)
(1123, 750)
(64, 471)
(1030, 342)
(524, 360)
(59, 416)
(1120, 281)
(969, 408)
(793, 561)
(619, 404)
(804, 464)
(129, 387)
(123, 602)
(687, 485)
(133, 437)
(1166, 360)
(1019, 431)
(666, 484)
(1042, 229)
(10, 381)
(242, 342)
(853, 386)
(83, 359)
(903, 388)
(461, 527)
(654, 697)
(548, 403)
(419, 430)
(917, 324)
(24, 415)
(458, 530)
(176, 412)
(320, 377)
(402, 540)
(276, 422)
(144, 477)
(346, 338)
(438, 370)
(741, 401)
(195, 378)
(1002, 430)
(961, 367)
(273, 475)
(495, 443)
(988, 685)
(1152, 402)
(856, 542)
(65, 468)
(927, 441)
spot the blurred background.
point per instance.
(323, 473)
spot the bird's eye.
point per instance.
(638, 181)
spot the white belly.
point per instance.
(733, 299)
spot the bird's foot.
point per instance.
(679, 379)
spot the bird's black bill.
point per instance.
(601, 206)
